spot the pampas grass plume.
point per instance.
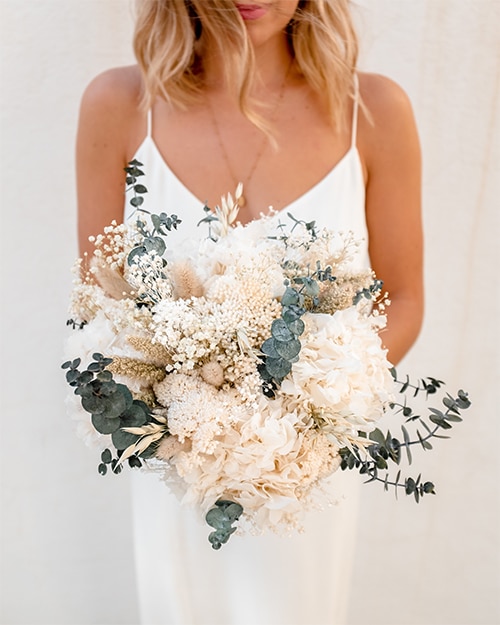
(212, 373)
(110, 280)
(186, 282)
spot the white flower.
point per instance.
(342, 375)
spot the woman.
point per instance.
(267, 94)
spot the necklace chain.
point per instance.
(262, 146)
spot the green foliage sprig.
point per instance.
(221, 517)
(134, 172)
(209, 219)
(372, 292)
(387, 448)
(282, 349)
(152, 238)
(310, 227)
(112, 408)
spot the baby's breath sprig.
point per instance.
(386, 448)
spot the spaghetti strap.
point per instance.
(354, 130)
(150, 123)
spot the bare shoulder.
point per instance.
(110, 108)
(383, 98)
(387, 123)
(117, 89)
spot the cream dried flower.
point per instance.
(212, 373)
(154, 353)
(145, 372)
(186, 283)
(170, 446)
(110, 279)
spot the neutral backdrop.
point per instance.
(65, 531)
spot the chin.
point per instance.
(266, 20)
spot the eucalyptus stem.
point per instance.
(386, 448)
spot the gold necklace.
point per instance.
(242, 200)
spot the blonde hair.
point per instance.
(170, 37)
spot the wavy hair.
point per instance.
(170, 37)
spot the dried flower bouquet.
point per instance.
(245, 370)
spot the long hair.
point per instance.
(170, 36)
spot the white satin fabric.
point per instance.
(252, 580)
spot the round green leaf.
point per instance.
(135, 253)
(291, 314)
(93, 404)
(268, 348)
(104, 376)
(106, 456)
(297, 327)
(234, 511)
(135, 415)
(288, 350)
(102, 468)
(216, 518)
(104, 425)
(108, 388)
(290, 297)
(122, 440)
(280, 331)
(156, 244)
(278, 368)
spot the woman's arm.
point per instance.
(391, 152)
(109, 128)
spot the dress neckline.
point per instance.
(352, 152)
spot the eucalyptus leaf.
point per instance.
(106, 456)
(216, 518)
(114, 405)
(104, 425)
(104, 376)
(268, 347)
(290, 297)
(122, 440)
(135, 253)
(292, 314)
(377, 436)
(135, 415)
(280, 331)
(278, 368)
(94, 404)
(107, 388)
(288, 350)
(72, 376)
(297, 327)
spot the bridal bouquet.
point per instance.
(246, 368)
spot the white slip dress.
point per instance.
(252, 580)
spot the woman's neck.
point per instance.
(272, 62)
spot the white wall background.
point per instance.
(65, 531)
